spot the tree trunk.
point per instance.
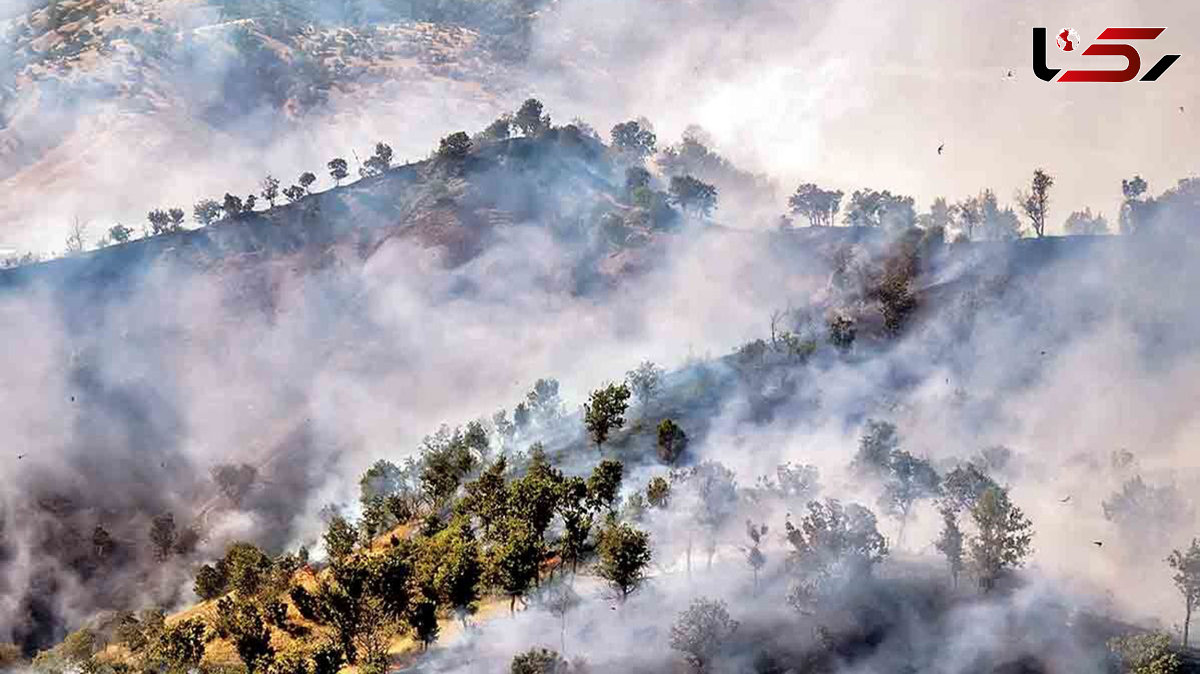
(1187, 620)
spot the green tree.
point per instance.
(1146, 654)
(460, 570)
(340, 537)
(514, 563)
(624, 555)
(538, 661)
(818, 205)
(210, 582)
(182, 645)
(251, 637)
(1002, 539)
(338, 170)
(963, 487)
(379, 162)
(573, 508)
(1036, 201)
(327, 658)
(605, 411)
(701, 631)
(693, 195)
(672, 441)
(604, 484)
(1134, 208)
(1186, 566)
(530, 118)
(487, 497)
(246, 569)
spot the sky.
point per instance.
(849, 94)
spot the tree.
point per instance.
(632, 139)
(251, 637)
(1133, 208)
(575, 511)
(605, 411)
(818, 205)
(455, 146)
(872, 208)
(459, 571)
(636, 178)
(950, 543)
(210, 582)
(963, 486)
(327, 658)
(162, 535)
(160, 221)
(340, 537)
(102, 542)
(1002, 539)
(909, 479)
(754, 555)
(1146, 654)
(120, 233)
(500, 129)
(658, 492)
(693, 195)
(876, 447)
(624, 555)
(206, 212)
(604, 485)
(672, 441)
(970, 216)
(182, 645)
(306, 181)
(515, 561)
(1036, 201)
(941, 216)
(836, 541)
(1084, 223)
(378, 163)
(270, 189)
(701, 631)
(538, 661)
(1186, 566)
(245, 568)
(338, 170)
(644, 381)
(232, 205)
(530, 118)
(841, 331)
(175, 217)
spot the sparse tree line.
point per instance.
(657, 204)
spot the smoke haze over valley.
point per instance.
(635, 336)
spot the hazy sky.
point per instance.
(862, 92)
(851, 93)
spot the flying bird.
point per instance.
(20, 456)
(1098, 544)
(1064, 500)
(941, 147)
(1181, 108)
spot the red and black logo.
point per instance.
(1068, 41)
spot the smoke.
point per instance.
(128, 387)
